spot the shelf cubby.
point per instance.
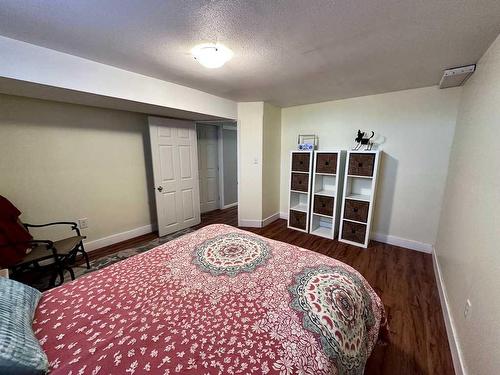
(359, 188)
(321, 226)
(325, 184)
(298, 201)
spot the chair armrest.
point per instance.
(74, 226)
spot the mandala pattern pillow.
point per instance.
(20, 352)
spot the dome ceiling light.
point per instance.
(212, 55)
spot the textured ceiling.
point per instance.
(286, 52)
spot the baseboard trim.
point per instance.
(118, 237)
(391, 240)
(456, 353)
(258, 223)
(270, 219)
(229, 205)
(250, 223)
(402, 242)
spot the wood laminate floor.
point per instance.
(404, 280)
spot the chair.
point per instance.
(20, 252)
(71, 245)
(62, 253)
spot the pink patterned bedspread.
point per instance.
(216, 301)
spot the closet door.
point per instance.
(208, 166)
(175, 170)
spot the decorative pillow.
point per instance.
(20, 352)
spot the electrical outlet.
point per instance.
(467, 309)
(83, 223)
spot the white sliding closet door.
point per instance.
(175, 169)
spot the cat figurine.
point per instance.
(363, 139)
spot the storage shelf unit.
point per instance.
(300, 190)
(359, 197)
(327, 182)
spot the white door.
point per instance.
(208, 167)
(175, 169)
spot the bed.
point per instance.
(217, 301)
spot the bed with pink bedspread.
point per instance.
(216, 301)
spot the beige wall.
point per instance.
(259, 133)
(250, 138)
(230, 164)
(416, 128)
(64, 162)
(467, 249)
(271, 161)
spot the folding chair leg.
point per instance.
(59, 265)
(53, 278)
(85, 255)
(60, 271)
(71, 273)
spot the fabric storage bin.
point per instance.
(326, 163)
(300, 181)
(300, 162)
(361, 164)
(298, 219)
(323, 205)
(356, 210)
(354, 232)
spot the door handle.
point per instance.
(159, 188)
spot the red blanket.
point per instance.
(217, 301)
(13, 235)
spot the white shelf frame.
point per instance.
(365, 198)
(336, 193)
(300, 207)
(308, 193)
(296, 191)
(326, 193)
(359, 197)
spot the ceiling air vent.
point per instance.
(456, 76)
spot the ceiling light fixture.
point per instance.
(211, 55)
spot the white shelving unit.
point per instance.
(360, 184)
(300, 190)
(327, 182)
